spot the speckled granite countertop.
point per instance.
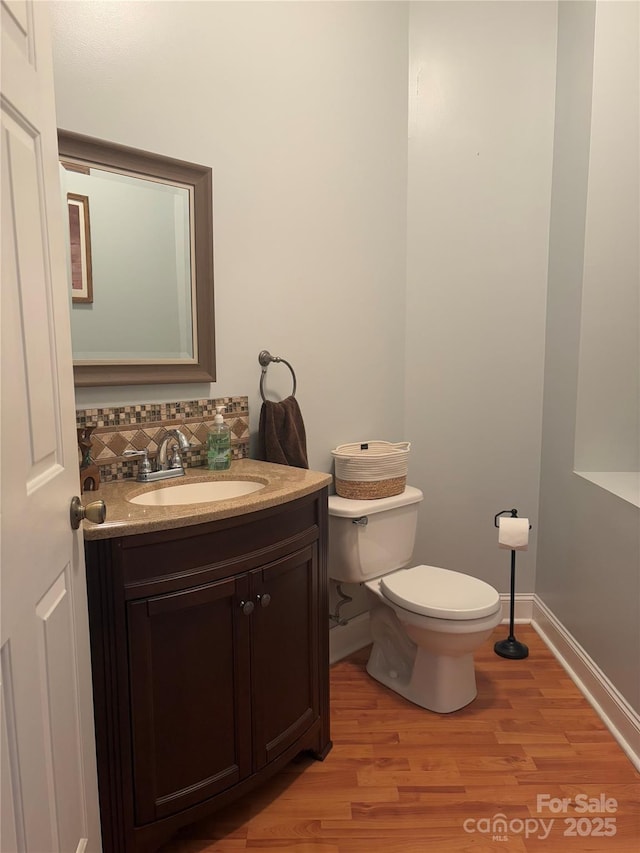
(282, 484)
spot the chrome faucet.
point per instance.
(165, 464)
(166, 467)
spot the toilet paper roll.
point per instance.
(513, 533)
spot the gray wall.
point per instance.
(608, 415)
(482, 78)
(588, 546)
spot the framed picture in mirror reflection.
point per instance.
(80, 247)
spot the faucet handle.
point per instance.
(176, 459)
(145, 466)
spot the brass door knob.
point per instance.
(95, 511)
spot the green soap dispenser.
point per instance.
(219, 443)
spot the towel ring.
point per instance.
(265, 358)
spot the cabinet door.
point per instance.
(284, 649)
(190, 695)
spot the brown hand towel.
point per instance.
(281, 434)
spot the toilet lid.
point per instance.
(440, 593)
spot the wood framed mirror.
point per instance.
(141, 243)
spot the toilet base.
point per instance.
(435, 682)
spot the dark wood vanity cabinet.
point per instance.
(210, 664)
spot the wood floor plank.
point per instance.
(281, 846)
(226, 845)
(545, 737)
(403, 780)
(441, 844)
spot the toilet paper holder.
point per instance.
(512, 512)
(510, 648)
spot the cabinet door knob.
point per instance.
(264, 600)
(247, 607)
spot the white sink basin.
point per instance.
(197, 493)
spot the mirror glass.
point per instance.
(140, 259)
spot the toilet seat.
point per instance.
(440, 593)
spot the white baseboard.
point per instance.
(616, 713)
(345, 639)
(523, 607)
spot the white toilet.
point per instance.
(426, 622)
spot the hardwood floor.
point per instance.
(404, 780)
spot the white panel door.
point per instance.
(48, 782)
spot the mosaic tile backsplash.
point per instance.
(143, 426)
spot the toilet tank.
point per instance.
(368, 538)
